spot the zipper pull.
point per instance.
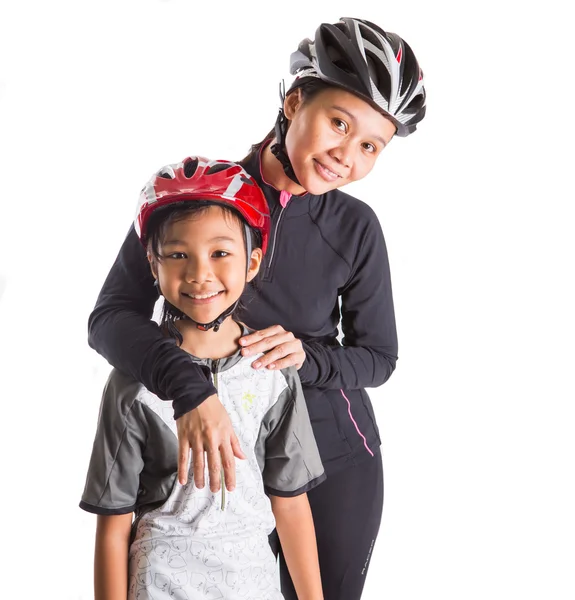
(222, 481)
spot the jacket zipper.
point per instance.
(223, 487)
(269, 267)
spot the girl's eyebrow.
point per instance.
(220, 238)
(354, 119)
(173, 243)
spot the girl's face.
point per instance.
(334, 138)
(202, 270)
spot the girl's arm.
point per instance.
(111, 557)
(294, 524)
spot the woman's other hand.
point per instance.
(282, 349)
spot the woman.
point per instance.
(356, 87)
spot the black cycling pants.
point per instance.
(346, 511)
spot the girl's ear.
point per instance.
(255, 263)
(153, 265)
(292, 103)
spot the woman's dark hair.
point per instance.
(311, 88)
(164, 217)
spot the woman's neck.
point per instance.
(210, 344)
(274, 174)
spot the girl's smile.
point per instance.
(202, 298)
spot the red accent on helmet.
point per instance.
(398, 57)
(222, 182)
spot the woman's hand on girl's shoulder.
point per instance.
(281, 348)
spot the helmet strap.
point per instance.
(279, 149)
(216, 323)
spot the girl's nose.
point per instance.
(197, 271)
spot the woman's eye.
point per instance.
(339, 124)
(220, 254)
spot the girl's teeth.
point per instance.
(197, 297)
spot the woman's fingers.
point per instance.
(284, 355)
(268, 343)
(208, 429)
(183, 458)
(259, 341)
(280, 348)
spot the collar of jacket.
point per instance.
(298, 205)
(227, 362)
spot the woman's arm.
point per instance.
(294, 524)
(111, 557)
(121, 330)
(368, 352)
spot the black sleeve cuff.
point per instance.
(98, 510)
(308, 372)
(302, 490)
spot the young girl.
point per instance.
(205, 226)
(356, 88)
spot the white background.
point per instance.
(478, 419)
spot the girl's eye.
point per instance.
(220, 254)
(369, 147)
(176, 255)
(339, 124)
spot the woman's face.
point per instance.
(334, 138)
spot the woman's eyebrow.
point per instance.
(354, 119)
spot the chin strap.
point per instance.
(216, 323)
(278, 149)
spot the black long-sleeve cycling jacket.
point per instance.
(322, 249)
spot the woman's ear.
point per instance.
(255, 263)
(292, 103)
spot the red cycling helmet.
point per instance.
(198, 178)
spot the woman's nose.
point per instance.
(343, 154)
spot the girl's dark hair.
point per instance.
(309, 89)
(164, 217)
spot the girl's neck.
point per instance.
(274, 174)
(210, 344)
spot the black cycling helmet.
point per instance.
(358, 56)
(376, 65)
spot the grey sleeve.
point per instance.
(113, 478)
(291, 461)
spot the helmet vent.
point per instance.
(247, 181)
(217, 168)
(190, 167)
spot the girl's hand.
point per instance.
(282, 348)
